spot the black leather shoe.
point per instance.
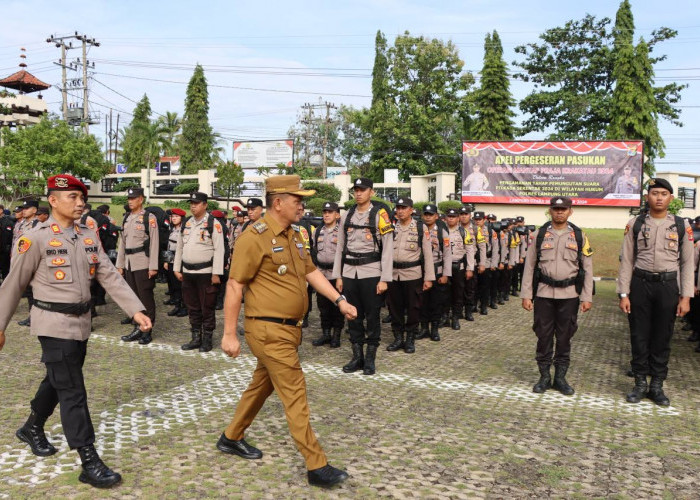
(423, 332)
(493, 305)
(387, 319)
(455, 322)
(135, 334)
(434, 332)
(694, 337)
(468, 315)
(146, 338)
(370, 356)
(25, 322)
(326, 476)
(32, 433)
(95, 472)
(126, 321)
(182, 312)
(174, 311)
(240, 448)
(483, 311)
(169, 302)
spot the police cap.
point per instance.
(198, 197)
(658, 182)
(560, 202)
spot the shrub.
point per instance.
(350, 203)
(419, 205)
(315, 205)
(186, 188)
(118, 200)
(185, 204)
(443, 206)
(326, 192)
(124, 185)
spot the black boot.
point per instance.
(434, 332)
(170, 302)
(387, 319)
(694, 337)
(369, 368)
(326, 476)
(32, 433)
(455, 322)
(501, 300)
(505, 296)
(656, 392)
(206, 341)
(560, 382)
(424, 332)
(146, 338)
(397, 343)
(357, 361)
(445, 319)
(545, 381)
(325, 338)
(335, 338)
(409, 347)
(468, 313)
(182, 311)
(639, 391)
(135, 334)
(697, 349)
(174, 310)
(492, 304)
(195, 342)
(95, 472)
(483, 310)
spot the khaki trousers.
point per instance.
(278, 369)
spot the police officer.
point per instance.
(60, 258)
(414, 274)
(237, 227)
(496, 265)
(363, 270)
(177, 215)
(655, 284)
(324, 248)
(137, 258)
(435, 298)
(465, 216)
(255, 211)
(42, 213)
(558, 279)
(510, 247)
(517, 275)
(462, 250)
(483, 259)
(199, 264)
(28, 223)
(220, 215)
(273, 267)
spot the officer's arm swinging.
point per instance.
(317, 280)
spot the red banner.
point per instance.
(592, 173)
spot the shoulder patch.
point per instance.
(91, 224)
(586, 250)
(295, 227)
(23, 244)
(217, 226)
(627, 229)
(689, 230)
(260, 227)
(385, 225)
(152, 221)
(304, 233)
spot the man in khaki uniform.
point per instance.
(199, 264)
(59, 259)
(137, 258)
(465, 220)
(323, 251)
(462, 251)
(558, 279)
(363, 269)
(655, 284)
(273, 268)
(28, 223)
(414, 273)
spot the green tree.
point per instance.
(229, 180)
(132, 155)
(197, 144)
(171, 126)
(572, 73)
(493, 100)
(379, 121)
(30, 155)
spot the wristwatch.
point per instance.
(622, 295)
(340, 299)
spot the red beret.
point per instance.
(218, 213)
(65, 182)
(178, 211)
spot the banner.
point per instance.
(251, 155)
(592, 173)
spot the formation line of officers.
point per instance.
(429, 272)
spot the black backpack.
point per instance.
(7, 225)
(639, 222)
(580, 276)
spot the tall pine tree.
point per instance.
(380, 112)
(493, 100)
(197, 146)
(133, 153)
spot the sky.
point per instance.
(263, 60)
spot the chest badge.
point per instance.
(60, 275)
(58, 261)
(282, 270)
(55, 243)
(89, 241)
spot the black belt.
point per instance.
(131, 251)
(407, 265)
(649, 276)
(323, 265)
(61, 307)
(196, 267)
(557, 283)
(360, 259)
(281, 321)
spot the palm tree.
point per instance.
(172, 126)
(150, 139)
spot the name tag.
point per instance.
(277, 249)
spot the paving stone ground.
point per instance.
(455, 420)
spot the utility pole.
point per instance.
(65, 43)
(326, 126)
(308, 121)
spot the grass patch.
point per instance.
(554, 474)
(606, 245)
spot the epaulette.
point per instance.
(295, 227)
(260, 227)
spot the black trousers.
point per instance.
(362, 293)
(694, 314)
(504, 280)
(174, 285)
(143, 287)
(64, 385)
(555, 319)
(4, 265)
(470, 290)
(199, 296)
(516, 277)
(331, 317)
(484, 288)
(404, 301)
(494, 282)
(433, 302)
(458, 282)
(651, 325)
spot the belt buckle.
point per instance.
(299, 323)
